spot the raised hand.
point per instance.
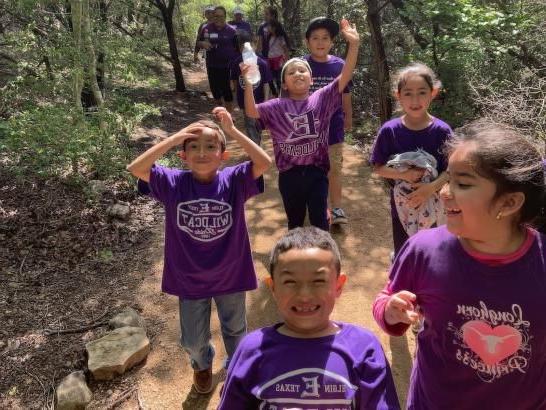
(223, 115)
(245, 69)
(190, 131)
(349, 32)
(401, 308)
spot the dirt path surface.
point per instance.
(165, 381)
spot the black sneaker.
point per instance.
(338, 217)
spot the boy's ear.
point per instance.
(182, 154)
(225, 155)
(341, 279)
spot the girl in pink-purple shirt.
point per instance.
(480, 281)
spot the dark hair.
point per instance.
(510, 160)
(304, 238)
(212, 125)
(272, 12)
(416, 68)
(242, 37)
(221, 8)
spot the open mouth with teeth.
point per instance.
(452, 211)
(303, 310)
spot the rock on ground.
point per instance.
(73, 393)
(117, 352)
(127, 317)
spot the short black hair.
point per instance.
(305, 238)
(322, 22)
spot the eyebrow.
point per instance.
(462, 174)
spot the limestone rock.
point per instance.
(119, 210)
(73, 393)
(117, 352)
(127, 317)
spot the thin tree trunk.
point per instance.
(77, 80)
(380, 61)
(90, 56)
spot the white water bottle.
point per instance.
(250, 58)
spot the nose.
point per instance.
(445, 192)
(201, 151)
(304, 292)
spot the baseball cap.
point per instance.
(322, 22)
(237, 10)
(210, 7)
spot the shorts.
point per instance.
(335, 152)
(219, 83)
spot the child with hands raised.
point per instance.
(480, 280)
(207, 248)
(298, 123)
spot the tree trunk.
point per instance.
(291, 14)
(381, 65)
(167, 14)
(77, 80)
(90, 57)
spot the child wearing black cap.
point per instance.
(319, 36)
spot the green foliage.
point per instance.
(56, 140)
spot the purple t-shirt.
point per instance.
(241, 26)
(395, 138)
(323, 74)
(235, 74)
(224, 47)
(299, 128)
(484, 338)
(344, 371)
(207, 249)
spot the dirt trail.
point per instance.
(166, 379)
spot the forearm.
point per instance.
(439, 182)
(350, 64)
(347, 106)
(250, 104)
(141, 166)
(260, 160)
(388, 172)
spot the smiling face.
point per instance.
(297, 79)
(203, 154)
(415, 96)
(305, 286)
(320, 43)
(219, 18)
(469, 198)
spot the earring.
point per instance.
(499, 216)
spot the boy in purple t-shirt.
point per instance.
(252, 126)
(308, 361)
(207, 249)
(299, 124)
(319, 36)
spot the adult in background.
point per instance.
(209, 15)
(218, 38)
(262, 46)
(239, 23)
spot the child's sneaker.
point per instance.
(202, 381)
(338, 217)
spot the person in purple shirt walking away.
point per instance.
(308, 361)
(207, 249)
(415, 86)
(480, 281)
(218, 39)
(299, 124)
(319, 36)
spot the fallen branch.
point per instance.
(122, 398)
(95, 324)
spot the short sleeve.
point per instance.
(328, 99)
(266, 110)
(376, 385)
(381, 150)
(163, 183)
(244, 181)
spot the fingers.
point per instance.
(401, 308)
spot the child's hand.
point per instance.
(349, 32)
(223, 115)
(401, 309)
(188, 132)
(420, 195)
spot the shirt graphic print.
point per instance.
(204, 219)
